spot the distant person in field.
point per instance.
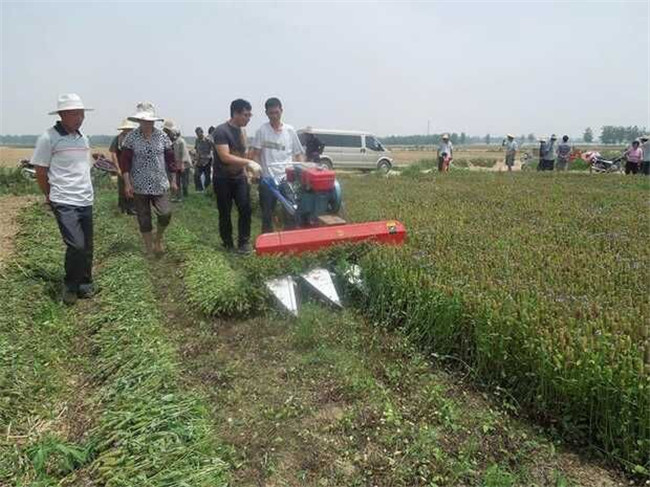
(276, 145)
(62, 160)
(645, 162)
(203, 148)
(147, 156)
(563, 154)
(549, 154)
(230, 179)
(511, 151)
(313, 148)
(633, 158)
(542, 146)
(125, 204)
(182, 160)
(445, 153)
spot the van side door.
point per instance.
(345, 151)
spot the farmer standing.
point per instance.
(125, 204)
(182, 160)
(275, 146)
(62, 161)
(549, 154)
(633, 158)
(542, 145)
(230, 181)
(445, 153)
(203, 147)
(563, 154)
(645, 147)
(147, 155)
(511, 151)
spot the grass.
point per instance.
(495, 276)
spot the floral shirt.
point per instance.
(149, 159)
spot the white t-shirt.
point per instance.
(68, 158)
(276, 149)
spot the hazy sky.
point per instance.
(386, 67)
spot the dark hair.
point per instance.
(210, 130)
(565, 138)
(238, 106)
(272, 103)
(636, 142)
(198, 128)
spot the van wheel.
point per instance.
(327, 163)
(384, 166)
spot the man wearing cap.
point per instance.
(511, 151)
(645, 161)
(445, 153)
(125, 204)
(203, 148)
(275, 146)
(230, 180)
(147, 157)
(62, 161)
(548, 155)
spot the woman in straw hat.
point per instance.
(125, 204)
(147, 156)
(511, 151)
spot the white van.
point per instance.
(347, 149)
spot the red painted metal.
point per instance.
(389, 232)
(318, 179)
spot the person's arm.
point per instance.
(223, 151)
(41, 159)
(298, 154)
(256, 154)
(126, 161)
(43, 181)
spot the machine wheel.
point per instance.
(384, 166)
(327, 162)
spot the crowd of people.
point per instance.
(154, 166)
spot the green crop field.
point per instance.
(506, 344)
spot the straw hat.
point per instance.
(510, 136)
(553, 137)
(445, 136)
(644, 137)
(542, 139)
(127, 125)
(145, 111)
(69, 101)
(171, 126)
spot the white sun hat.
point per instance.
(510, 136)
(127, 125)
(145, 111)
(69, 101)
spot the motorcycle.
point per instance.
(599, 164)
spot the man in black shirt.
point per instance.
(229, 176)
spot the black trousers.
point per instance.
(267, 204)
(548, 164)
(227, 191)
(205, 171)
(76, 226)
(645, 168)
(183, 181)
(631, 167)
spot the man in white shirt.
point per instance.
(511, 151)
(445, 153)
(275, 146)
(62, 160)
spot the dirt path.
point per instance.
(10, 207)
(330, 400)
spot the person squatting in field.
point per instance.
(125, 204)
(147, 155)
(276, 145)
(633, 158)
(445, 153)
(62, 161)
(511, 151)
(182, 160)
(230, 179)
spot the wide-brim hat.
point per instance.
(145, 111)
(553, 137)
(542, 139)
(170, 125)
(127, 125)
(445, 136)
(644, 137)
(69, 101)
(510, 136)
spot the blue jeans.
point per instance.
(76, 226)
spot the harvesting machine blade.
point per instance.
(321, 282)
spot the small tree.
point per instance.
(588, 136)
(531, 137)
(487, 139)
(463, 138)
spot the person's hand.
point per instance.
(174, 186)
(254, 168)
(128, 188)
